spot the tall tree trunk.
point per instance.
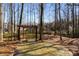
(60, 22)
(1, 24)
(11, 21)
(30, 17)
(4, 22)
(73, 20)
(41, 21)
(55, 18)
(35, 26)
(78, 20)
(67, 20)
(14, 22)
(20, 21)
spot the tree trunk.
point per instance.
(20, 22)
(60, 22)
(11, 21)
(41, 21)
(14, 23)
(1, 24)
(55, 19)
(67, 20)
(73, 19)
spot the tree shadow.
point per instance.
(25, 52)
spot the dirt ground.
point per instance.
(71, 43)
(51, 46)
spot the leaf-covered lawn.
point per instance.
(42, 49)
(32, 48)
(6, 51)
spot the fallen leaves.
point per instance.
(43, 49)
(6, 51)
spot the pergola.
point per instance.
(28, 26)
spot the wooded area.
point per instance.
(31, 28)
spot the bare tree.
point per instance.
(78, 19)
(11, 21)
(73, 19)
(20, 21)
(14, 22)
(67, 19)
(55, 18)
(1, 24)
(60, 21)
(41, 21)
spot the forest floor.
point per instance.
(48, 47)
(71, 43)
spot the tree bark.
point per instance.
(67, 19)
(41, 21)
(55, 18)
(73, 19)
(20, 22)
(60, 22)
(1, 24)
